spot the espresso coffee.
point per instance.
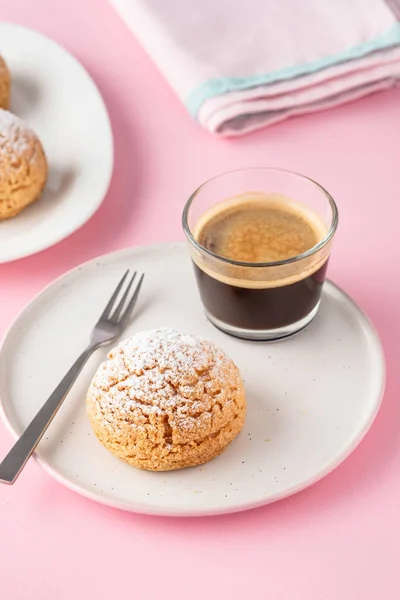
(254, 229)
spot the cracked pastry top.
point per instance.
(23, 165)
(166, 400)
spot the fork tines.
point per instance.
(120, 313)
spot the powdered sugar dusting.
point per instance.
(163, 372)
(15, 136)
(166, 399)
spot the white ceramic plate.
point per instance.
(311, 398)
(54, 94)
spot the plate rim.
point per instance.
(210, 510)
(56, 238)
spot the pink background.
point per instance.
(340, 539)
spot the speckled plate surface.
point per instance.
(311, 398)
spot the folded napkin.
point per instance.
(239, 65)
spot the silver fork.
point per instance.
(107, 329)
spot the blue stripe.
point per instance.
(224, 85)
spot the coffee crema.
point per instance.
(257, 228)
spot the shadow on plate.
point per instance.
(59, 182)
(25, 96)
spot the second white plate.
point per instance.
(311, 398)
(54, 94)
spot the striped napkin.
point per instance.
(239, 65)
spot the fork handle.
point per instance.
(19, 454)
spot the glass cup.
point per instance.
(261, 300)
